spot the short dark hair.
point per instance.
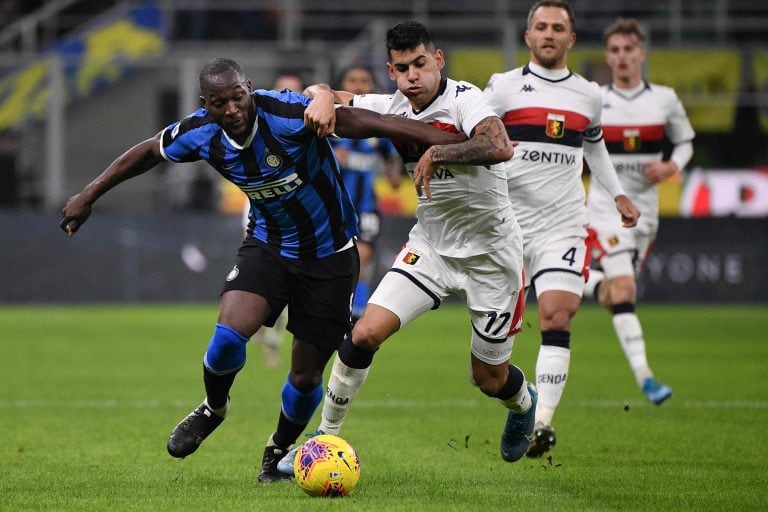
(408, 35)
(561, 4)
(219, 66)
(625, 26)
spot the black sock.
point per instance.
(512, 386)
(556, 338)
(287, 431)
(354, 356)
(217, 387)
(624, 307)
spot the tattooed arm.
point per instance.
(488, 145)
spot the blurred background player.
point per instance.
(637, 116)
(555, 115)
(360, 161)
(288, 80)
(270, 338)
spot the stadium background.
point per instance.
(82, 80)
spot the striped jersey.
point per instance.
(361, 160)
(470, 212)
(551, 113)
(298, 203)
(635, 123)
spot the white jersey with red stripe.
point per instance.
(635, 123)
(470, 212)
(551, 113)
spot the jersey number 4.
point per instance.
(570, 256)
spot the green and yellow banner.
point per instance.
(97, 57)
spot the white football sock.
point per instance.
(343, 385)
(520, 402)
(630, 334)
(551, 373)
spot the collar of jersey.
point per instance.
(440, 91)
(248, 140)
(553, 75)
(632, 93)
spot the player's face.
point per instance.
(625, 55)
(417, 73)
(290, 82)
(228, 99)
(357, 81)
(549, 37)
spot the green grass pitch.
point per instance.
(89, 395)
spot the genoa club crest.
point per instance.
(415, 150)
(631, 140)
(555, 125)
(411, 258)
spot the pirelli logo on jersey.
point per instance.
(631, 140)
(273, 188)
(555, 126)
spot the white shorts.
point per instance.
(557, 261)
(490, 285)
(620, 251)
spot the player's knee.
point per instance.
(623, 289)
(367, 335)
(226, 350)
(558, 319)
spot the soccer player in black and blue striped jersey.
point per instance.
(299, 251)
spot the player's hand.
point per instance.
(657, 171)
(320, 114)
(77, 210)
(628, 210)
(422, 173)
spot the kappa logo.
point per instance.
(555, 125)
(527, 88)
(411, 258)
(631, 139)
(233, 274)
(462, 88)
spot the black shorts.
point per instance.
(317, 292)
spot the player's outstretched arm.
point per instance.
(320, 115)
(361, 123)
(137, 160)
(489, 145)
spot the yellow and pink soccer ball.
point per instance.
(327, 465)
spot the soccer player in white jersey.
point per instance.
(466, 240)
(555, 116)
(637, 116)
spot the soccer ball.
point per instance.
(326, 465)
